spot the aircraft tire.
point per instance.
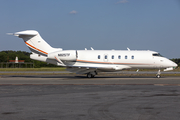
(89, 75)
(158, 76)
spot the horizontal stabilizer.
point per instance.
(27, 32)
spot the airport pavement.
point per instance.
(118, 72)
(68, 97)
(82, 80)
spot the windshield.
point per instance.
(157, 54)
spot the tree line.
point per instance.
(5, 56)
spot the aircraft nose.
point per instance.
(171, 64)
(174, 65)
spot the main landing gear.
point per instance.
(91, 74)
(158, 75)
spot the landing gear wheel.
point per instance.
(158, 76)
(89, 75)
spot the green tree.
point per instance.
(3, 56)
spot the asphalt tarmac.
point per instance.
(68, 97)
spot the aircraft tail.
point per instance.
(35, 42)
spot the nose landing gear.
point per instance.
(158, 75)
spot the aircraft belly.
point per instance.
(89, 67)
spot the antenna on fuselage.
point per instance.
(92, 48)
(128, 49)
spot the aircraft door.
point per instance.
(76, 54)
(105, 57)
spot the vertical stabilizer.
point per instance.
(35, 42)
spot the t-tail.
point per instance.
(40, 48)
(35, 42)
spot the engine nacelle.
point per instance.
(65, 55)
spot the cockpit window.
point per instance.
(157, 54)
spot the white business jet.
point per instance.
(92, 61)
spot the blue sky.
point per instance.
(101, 24)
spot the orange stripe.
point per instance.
(36, 48)
(58, 60)
(111, 62)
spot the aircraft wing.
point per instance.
(84, 69)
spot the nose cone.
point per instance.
(174, 65)
(170, 63)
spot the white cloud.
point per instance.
(73, 12)
(122, 1)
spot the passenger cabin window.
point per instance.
(99, 57)
(105, 57)
(157, 54)
(119, 57)
(132, 57)
(126, 57)
(112, 56)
